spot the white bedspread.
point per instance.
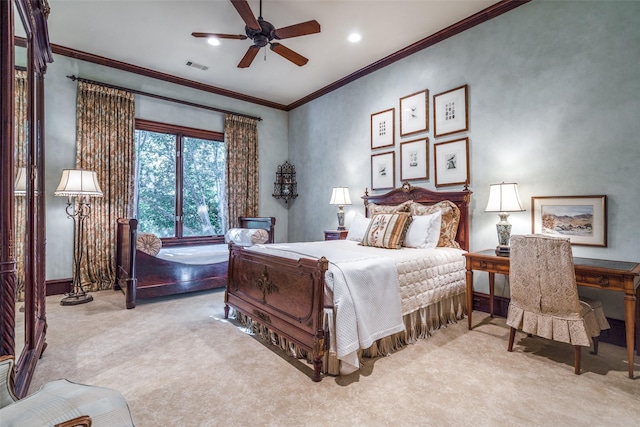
(365, 290)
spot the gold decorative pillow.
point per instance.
(449, 223)
(148, 243)
(373, 209)
(387, 230)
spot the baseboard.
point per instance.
(616, 335)
(58, 287)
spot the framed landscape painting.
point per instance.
(583, 219)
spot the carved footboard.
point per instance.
(282, 294)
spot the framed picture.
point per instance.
(383, 170)
(383, 129)
(451, 162)
(583, 219)
(414, 160)
(450, 112)
(414, 113)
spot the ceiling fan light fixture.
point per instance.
(354, 37)
(262, 33)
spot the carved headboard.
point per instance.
(428, 197)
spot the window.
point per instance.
(179, 181)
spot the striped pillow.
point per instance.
(387, 230)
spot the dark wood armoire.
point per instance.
(24, 47)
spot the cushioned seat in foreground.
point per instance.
(61, 403)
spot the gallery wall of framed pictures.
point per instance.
(450, 152)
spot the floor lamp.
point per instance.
(81, 185)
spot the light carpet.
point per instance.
(179, 363)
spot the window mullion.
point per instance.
(179, 186)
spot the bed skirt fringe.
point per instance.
(419, 324)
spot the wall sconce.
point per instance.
(285, 186)
(504, 198)
(340, 197)
(82, 185)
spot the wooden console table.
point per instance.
(620, 276)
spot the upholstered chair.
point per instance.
(60, 403)
(544, 296)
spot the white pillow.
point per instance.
(358, 228)
(424, 231)
(246, 236)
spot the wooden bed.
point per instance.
(287, 296)
(140, 275)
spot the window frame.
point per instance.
(180, 133)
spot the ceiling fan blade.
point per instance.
(302, 29)
(248, 57)
(221, 36)
(287, 53)
(246, 14)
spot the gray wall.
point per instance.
(554, 105)
(60, 148)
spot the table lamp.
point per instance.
(20, 185)
(504, 198)
(340, 197)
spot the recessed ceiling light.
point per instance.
(354, 37)
(213, 41)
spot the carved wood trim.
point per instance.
(480, 17)
(119, 65)
(7, 261)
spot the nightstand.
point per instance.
(335, 234)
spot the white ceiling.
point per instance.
(156, 34)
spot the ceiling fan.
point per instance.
(263, 33)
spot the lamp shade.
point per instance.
(340, 196)
(504, 198)
(20, 186)
(78, 182)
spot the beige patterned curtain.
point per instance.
(20, 159)
(105, 138)
(241, 139)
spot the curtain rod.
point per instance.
(164, 98)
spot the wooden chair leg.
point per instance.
(595, 345)
(512, 336)
(577, 354)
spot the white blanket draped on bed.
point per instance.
(365, 294)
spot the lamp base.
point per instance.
(503, 250)
(76, 299)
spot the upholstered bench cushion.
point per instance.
(62, 400)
